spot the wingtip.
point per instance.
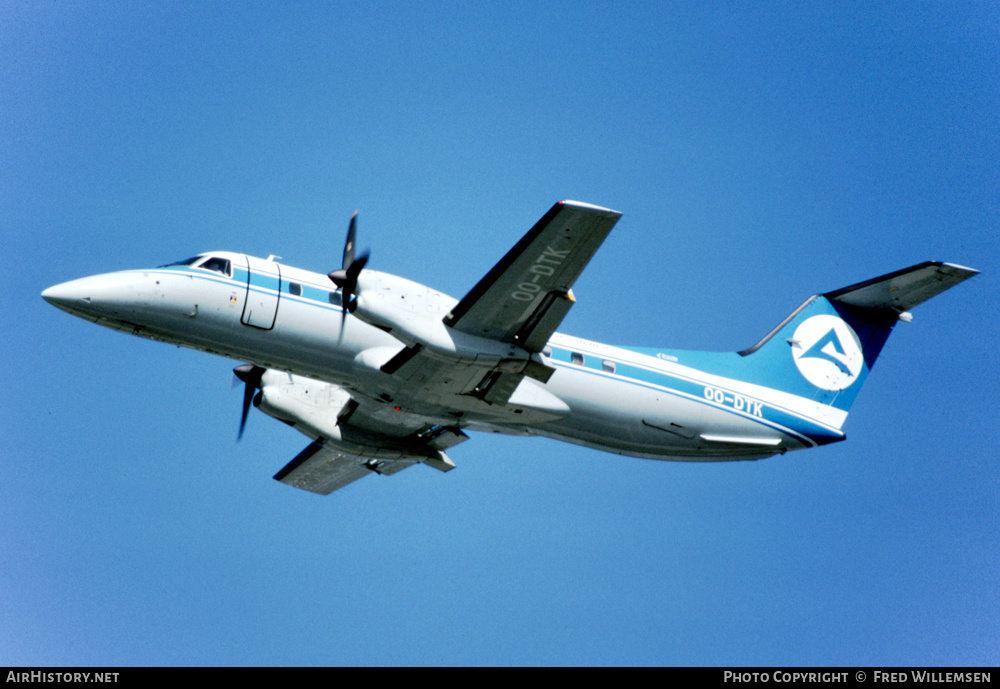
(961, 269)
(588, 206)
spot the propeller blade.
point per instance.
(349, 244)
(251, 376)
(248, 393)
(347, 277)
(352, 280)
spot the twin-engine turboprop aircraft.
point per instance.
(382, 373)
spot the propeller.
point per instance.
(347, 277)
(251, 376)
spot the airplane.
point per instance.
(382, 373)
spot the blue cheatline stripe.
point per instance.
(759, 411)
(772, 363)
(312, 295)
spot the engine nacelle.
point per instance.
(414, 314)
(312, 407)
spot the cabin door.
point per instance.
(260, 308)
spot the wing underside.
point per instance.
(525, 296)
(322, 470)
(327, 464)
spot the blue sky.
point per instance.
(760, 153)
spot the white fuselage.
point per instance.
(609, 398)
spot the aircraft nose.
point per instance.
(65, 294)
(73, 296)
(109, 296)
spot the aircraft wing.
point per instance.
(326, 465)
(520, 301)
(321, 469)
(350, 439)
(525, 296)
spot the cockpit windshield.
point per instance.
(219, 265)
(214, 263)
(185, 262)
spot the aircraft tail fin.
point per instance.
(834, 338)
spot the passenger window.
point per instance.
(219, 265)
(335, 298)
(576, 358)
(295, 288)
(608, 366)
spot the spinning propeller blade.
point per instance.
(251, 376)
(347, 277)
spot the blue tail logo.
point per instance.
(837, 355)
(827, 352)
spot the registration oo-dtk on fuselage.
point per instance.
(382, 373)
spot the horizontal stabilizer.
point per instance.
(904, 289)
